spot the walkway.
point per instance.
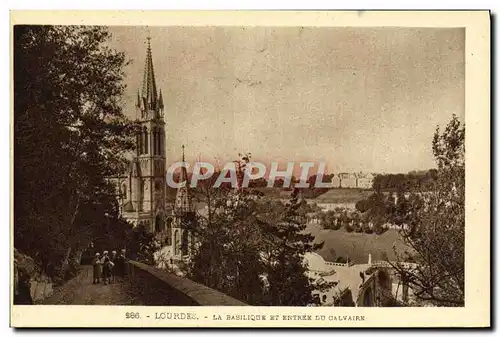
(81, 291)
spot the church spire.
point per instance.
(160, 101)
(183, 201)
(149, 93)
(184, 175)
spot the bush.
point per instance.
(341, 259)
(379, 229)
(348, 227)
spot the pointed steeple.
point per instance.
(160, 101)
(149, 93)
(183, 201)
(184, 176)
(138, 99)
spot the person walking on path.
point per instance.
(120, 265)
(123, 263)
(107, 265)
(97, 268)
(113, 265)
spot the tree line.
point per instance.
(415, 180)
(70, 135)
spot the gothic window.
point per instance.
(124, 191)
(185, 242)
(156, 140)
(139, 143)
(153, 140)
(368, 298)
(168, 239)
(160, 142)
(177, 243)
(159, 224)
(141, 194)
(145, 132)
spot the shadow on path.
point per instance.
(81, 291)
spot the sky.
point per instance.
(359, 99)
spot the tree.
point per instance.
(436, 230)
(286, 272)
(141, 245)
(251, 247)
(70, 135)
(227, 256)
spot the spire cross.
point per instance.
(183, 152)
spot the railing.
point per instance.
(386, 264)
(159, 287)
(339, 264)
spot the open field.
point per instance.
(343, 195)
(357, 245)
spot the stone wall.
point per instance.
(159, 287)
(25, 268)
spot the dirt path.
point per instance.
(81, 291)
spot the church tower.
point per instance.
(184, 215)
(146, 185)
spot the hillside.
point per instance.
(357, 245)
(343, 195)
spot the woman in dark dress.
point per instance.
(106, 270)
(97, 268)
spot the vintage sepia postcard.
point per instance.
(250, 169)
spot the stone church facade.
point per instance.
(142, 189)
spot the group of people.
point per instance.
(108, 267)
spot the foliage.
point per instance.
(416, 180)
(284, 258)
(114, 235)
(250, 247)
(69, 136)
(141, 245)
(226, 256)
(436, 225)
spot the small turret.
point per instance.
(183, 201)
(138, 103)
(160, 102)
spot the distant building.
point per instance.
(347, 180)
(364, 180)
(336, 181)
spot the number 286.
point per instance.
(132, 315)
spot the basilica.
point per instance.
(142, 189)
